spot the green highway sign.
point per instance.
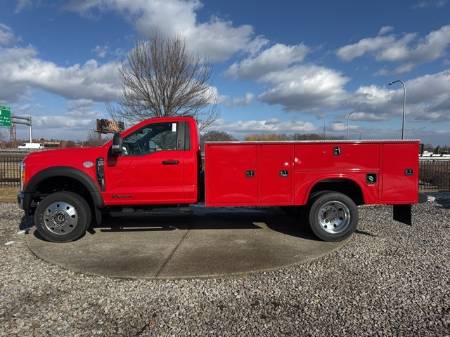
(5, 116)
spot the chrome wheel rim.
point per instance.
(334, 217)
(60, 218)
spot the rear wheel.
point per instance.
(62, 216)
(333, 216)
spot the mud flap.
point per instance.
(403, 213)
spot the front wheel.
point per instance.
(62, 217)
(333, 216)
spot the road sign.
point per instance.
(5, 116)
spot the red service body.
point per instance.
(284, 173)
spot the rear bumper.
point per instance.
(403, 213)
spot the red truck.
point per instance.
(158, 163)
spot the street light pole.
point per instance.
(404, 103)
(348, 130)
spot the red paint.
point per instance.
(243, 173)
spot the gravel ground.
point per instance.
(389, 279)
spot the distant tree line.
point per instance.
(224, 136)
(436, 149)
(212, 136)
(282, 136)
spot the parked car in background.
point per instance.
(31, 146)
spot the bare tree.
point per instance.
(94, 139)
(214, 136)
(161, 78)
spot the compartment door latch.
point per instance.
(249, 173)
(409, 172)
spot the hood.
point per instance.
(65, 154)
(81, 158)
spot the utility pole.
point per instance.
(12, 133)
(348, 130)
(404, 103)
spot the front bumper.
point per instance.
(20, 199)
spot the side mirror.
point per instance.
(116, 147)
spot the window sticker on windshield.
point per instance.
(174, 127)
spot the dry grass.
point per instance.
(8, 194)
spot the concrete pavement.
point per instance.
(185, 244)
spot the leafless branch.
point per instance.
(161, 78)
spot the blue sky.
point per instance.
(278, 66)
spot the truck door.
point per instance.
(150, 169)
(275, 168)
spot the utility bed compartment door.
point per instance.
(400, 173)
(231, 175)
(275, 168)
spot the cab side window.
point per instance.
(151, 138)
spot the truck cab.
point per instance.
(158, 163)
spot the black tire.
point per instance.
(72, 223)
(304, 214)
(342, 220)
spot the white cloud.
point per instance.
(304, 87)
(406, 49)
(217, 39)
(23, 4)
(22, 70)
(397, 50)
(73, 122)
(363, 46)
(431, 3)
(385, 29)
(62, 122)
(428, 98)
(276, 57)
(293, 85)
(101, 51)
(311, 88)
(237, 101)
(263, 126)
(368, 116)
(341, 127)
(6, 35)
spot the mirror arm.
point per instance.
(116, 147)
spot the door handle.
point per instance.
(170, 162)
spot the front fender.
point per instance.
(61, 171)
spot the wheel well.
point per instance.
(344, 186)
(62, 183)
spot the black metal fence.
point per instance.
(10, 168)
(434, 173)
